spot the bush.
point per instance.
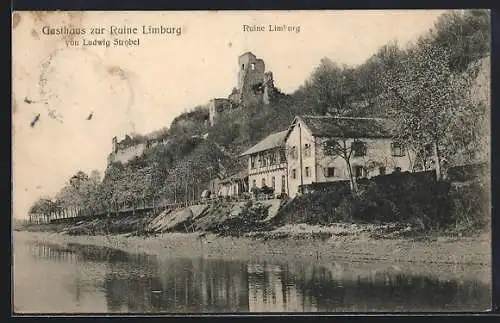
(417, 200)
(316, 208)
(373, 205)
(469, 207)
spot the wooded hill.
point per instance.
(436, 89)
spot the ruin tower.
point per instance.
(250, 79)
(255, 87)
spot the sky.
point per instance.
(85, 95)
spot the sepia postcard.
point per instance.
(251, 161)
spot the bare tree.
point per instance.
(344, 148)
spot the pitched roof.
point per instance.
(346, 127)
(248, 53)
(272, 141)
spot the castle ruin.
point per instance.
(255, 87)
(127, 149)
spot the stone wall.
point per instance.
(128, 149)
(124, 155)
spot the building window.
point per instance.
(272, 158)
(306, 171)
(282, 156)
(253, 66)
(358, 171)
(242, 66)
(397, 170)
(381, 170)
(397, 149)
(263, 160)
(252, 162)
(330, 148)
(254, 183)
(358, 148)
(294, 174)
(273, 184)
(263, 182)
(307, 150)
(330, 171)
(283, 183)
(293, 152)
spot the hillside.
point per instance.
(197, 151)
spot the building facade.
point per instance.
(267, 165)
(321, 148)
(234, 185)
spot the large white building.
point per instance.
(315, 146)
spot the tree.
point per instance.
(428, 97)
(44, 207)
(330, 88)
(69, 197)
(77, 179)
(193, 171)
(344, 148)
(95, 176)
(82, 192)
(465, 34)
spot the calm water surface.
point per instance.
(78, 278)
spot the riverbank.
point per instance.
(464, 256)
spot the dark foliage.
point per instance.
(415, 199)
(314, 208)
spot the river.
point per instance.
(73, 278)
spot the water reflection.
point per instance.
(109, 280)
(183, 285)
